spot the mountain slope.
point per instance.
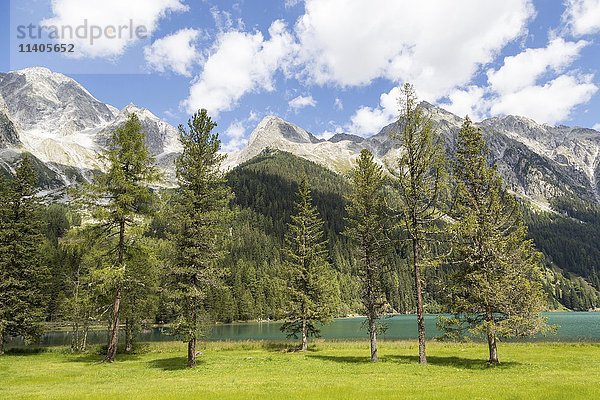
(61, 124)
(265, 191)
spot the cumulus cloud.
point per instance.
(532, 83)
(523, 69)
(302, 101)
(234, 137)
(368, 121)
(551, 102)
(468, 101)
(238, 63)
(107, 13)
(176, 52)
(427, 43)
(596, 127)
(582, 16)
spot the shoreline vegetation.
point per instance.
(329, 369)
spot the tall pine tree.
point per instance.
(419, 177)
(313, 296)
(22, 273)
(120, 198)
(366, 215)
(497, 289)
(201, 214)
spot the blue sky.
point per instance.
(326, 65)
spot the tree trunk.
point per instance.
(373, 335)
(419, 300)
(493, 350)
(191, 363)
(1, 341)
(84, 342)
(128, 335)
(491, 337)
(113, 340)
(304, 335)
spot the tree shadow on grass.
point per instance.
(342, 359)
(173, 363)
(283, 347)
(95, 357)
(453, 362)
(24, 351)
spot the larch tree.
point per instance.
(22, 272)
(201, 215)
(120, 199)
(366, 215)
(497, 290)
(419, 178)
(313, 296)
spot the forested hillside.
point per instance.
(265, 192)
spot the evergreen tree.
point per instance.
(497, 289)
(22, 273)
(419, 177)
(366, 212)
(120, 198)
(313, 296)
(202, 212)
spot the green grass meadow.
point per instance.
(329, 370)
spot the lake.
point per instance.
(572, 326)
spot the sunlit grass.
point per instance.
(339, 370)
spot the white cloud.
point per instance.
(327, 134)
(427, 43)
(235, 137)
(469, 101)
(302, 101)
(524, 69)
(549, 103)
(582, 16)
(238, 63)
(531, 83)
(176, 52)
(368, 121)
(105, 14)
(338, 104)
(596, 127)
(292, 3)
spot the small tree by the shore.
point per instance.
(311, 283)
(419, 179)
(366, 214)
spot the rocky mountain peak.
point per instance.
(273, 128)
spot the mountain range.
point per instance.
(64, 126)
(555, 169)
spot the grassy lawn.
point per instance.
(330, 370)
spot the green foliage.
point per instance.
(313, 296)
(366, 227)
(119, 199)
(22, 271)
(201, 214)
(265, 189)
(497, 287)
(419, 188)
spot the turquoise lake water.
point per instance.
(572, 326)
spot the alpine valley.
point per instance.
(554, 170)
